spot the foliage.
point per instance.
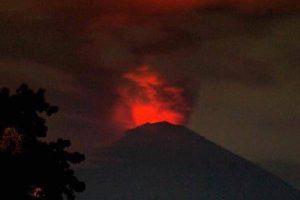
(29, 167)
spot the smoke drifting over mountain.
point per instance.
(148, 98)
(239, 56)
(152, 5)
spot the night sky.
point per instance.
(237, 62)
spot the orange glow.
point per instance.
(147, 97)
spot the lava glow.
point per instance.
(147, 97)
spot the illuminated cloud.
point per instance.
(147, 98)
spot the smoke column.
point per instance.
(147, 98)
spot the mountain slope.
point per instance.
(165, 161)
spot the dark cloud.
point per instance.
(239, 56)
(38, 75)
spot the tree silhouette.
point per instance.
(29, 167)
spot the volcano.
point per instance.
(162, 161)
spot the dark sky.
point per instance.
(240, 60)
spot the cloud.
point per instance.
(14, 73)
(86, 46)
(192, 41)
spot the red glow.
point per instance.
(165, 4)
(147, 97)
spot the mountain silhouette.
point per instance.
(162, 161)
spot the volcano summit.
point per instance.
(165, 161)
